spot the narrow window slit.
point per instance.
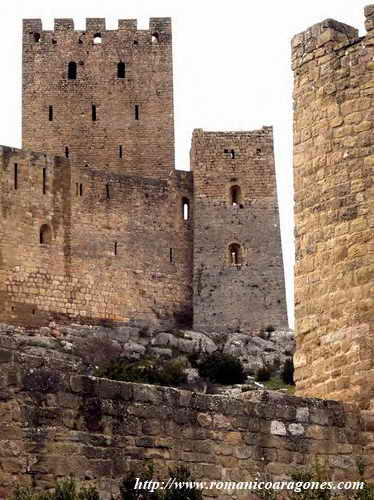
(93, 112)
(136, 111)
(235, 254)
(16, 176)
(45, 235)
(97, 39)
(171, 255)
(44, 180)
(107, 188)
(115, 248)
(235, 196)
(50, 113)
(185, 208)
(121, 70)
(120, 151)
(66, 152)
(80, 189)
(72, 70)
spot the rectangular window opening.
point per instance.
(66, 152)
(120, 151)
(171, 255)
(107, 187)
(93, 112)
(44, 180)
(115, 248)
(50, 116)
(136, 111)
(80, 189)
(16, 176)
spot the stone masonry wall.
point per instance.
(250, 295)
(35, 191)
(55, 423)
(333, 176)
(109, 256)
(147, 142)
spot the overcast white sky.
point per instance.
(231, 68)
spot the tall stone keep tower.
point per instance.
(238, 268)
(333, 176)
(103, 98)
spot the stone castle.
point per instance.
(65, 230)
(96, 223)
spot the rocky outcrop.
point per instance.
(82, 346)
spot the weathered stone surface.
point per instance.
(333, 178)
(96, 429)
(247, 294)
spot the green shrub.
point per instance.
(287, 372)
(221, 368)
(127, 487)
(181, 492)
(64, 490)
(182, 475)
(147, 371)
(263, 374)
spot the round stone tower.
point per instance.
(333, 179)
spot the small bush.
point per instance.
(147, 371)
(98, 351)
(180, 474)
(263, 374)
(263, 334)
(287, 372)
(127, 487)
(221, 368)
(64, 490)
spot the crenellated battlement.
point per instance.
(369, 17)
(319, 39)
(29, 157)
(327, 36)
(98, 24)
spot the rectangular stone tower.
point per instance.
(103, 98)
(238, 268)
(333, 176)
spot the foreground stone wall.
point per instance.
(54, 423)
(333, 176)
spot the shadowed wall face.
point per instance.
(238, 268)
(333, 176)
